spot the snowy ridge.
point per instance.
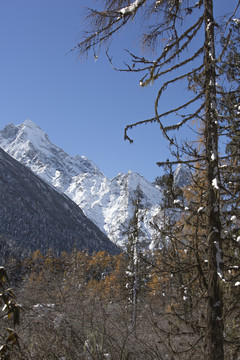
(30, 145)
(182, 176)
(33, 215)
(107, 202)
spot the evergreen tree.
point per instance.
(171, 193)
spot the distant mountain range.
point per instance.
(107, 202)
(33, 215)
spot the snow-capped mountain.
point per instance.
(30, 145)
(33, 215)
(107, 202)
(182, 176)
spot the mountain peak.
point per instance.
(182, 175)
(30, 123)
(33, 132)
(108, 203)
(22, 135)
(29, 144)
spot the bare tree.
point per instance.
(10, 310)
(188, 54)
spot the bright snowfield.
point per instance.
(107, 202)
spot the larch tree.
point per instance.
(183, 34)
(230, 183)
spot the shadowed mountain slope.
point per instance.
(33, 215)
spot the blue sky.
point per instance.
(82, 105)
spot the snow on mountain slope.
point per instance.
(107, 202)
(33, 215)
(30, 145)
(182, 176)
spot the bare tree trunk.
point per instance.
(135, 284)
(214, 337)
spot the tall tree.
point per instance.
(134, 253)
(184, 24)
(230, 182)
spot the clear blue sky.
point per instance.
(82, 105)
